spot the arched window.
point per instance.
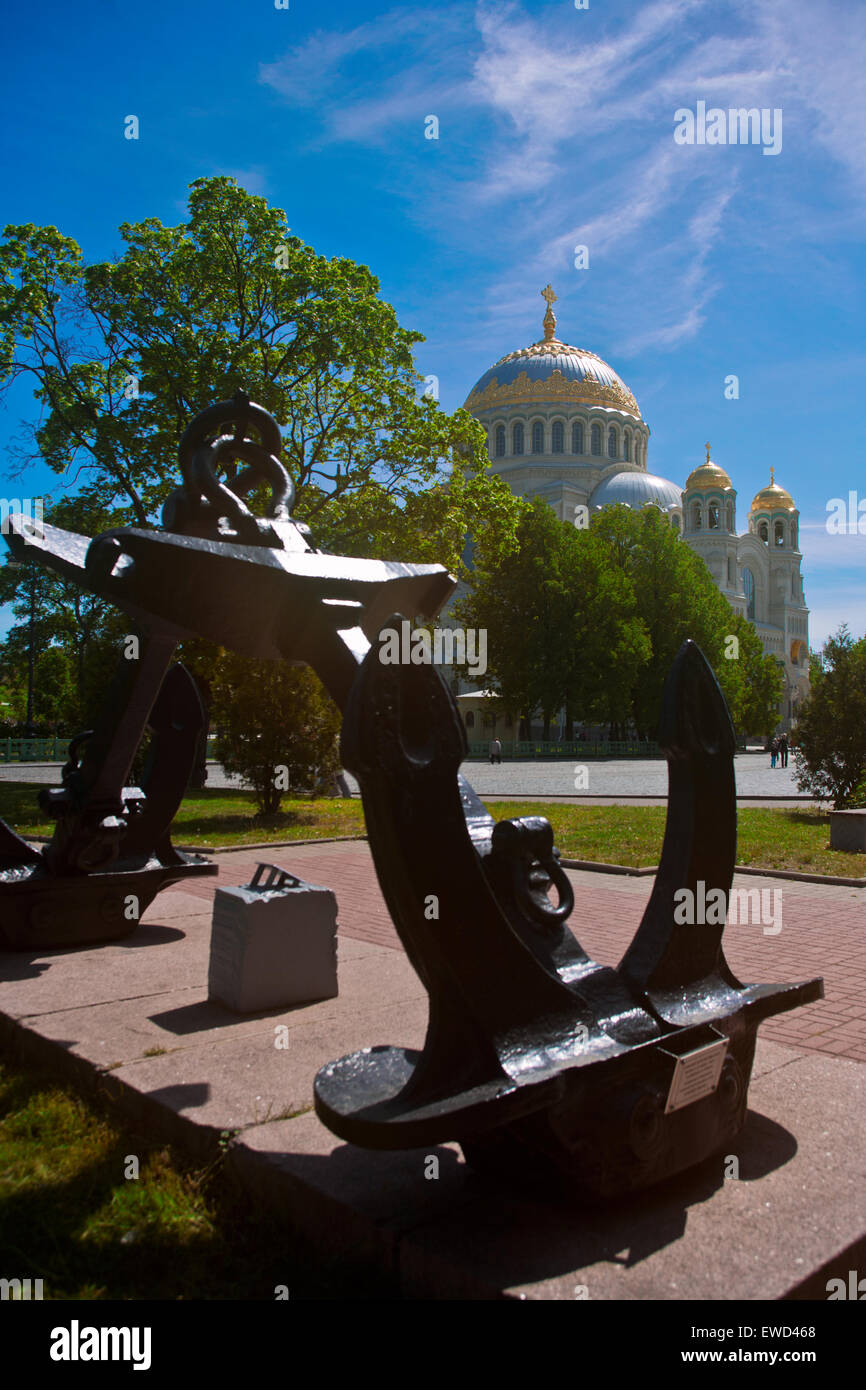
(638, 451)
(557, 438)
(500, 441)
(764, 532)
(538, 438)
(595, 439)
(729, 516)
(611, 443)
(749, 590)
(696, 516)
(517, 439)
(779, 536)
(577, 437)
(626, 447)
(714, 516)
(470, 719)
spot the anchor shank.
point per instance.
(110, 750)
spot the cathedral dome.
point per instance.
(709, 475)
(551, 370)
(773, 499)
(636, 489)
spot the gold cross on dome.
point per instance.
(708, 453)
(549, 317)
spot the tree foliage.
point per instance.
(591, 621)
(122, 354)
(276, 727)
(830, 746)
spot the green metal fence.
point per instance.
(579, 749)
(52, 750)
(33, 750)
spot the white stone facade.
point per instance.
(562, 425)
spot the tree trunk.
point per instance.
(568, 733)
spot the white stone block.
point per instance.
(848, 831)
(272, 946)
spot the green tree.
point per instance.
(517, 595)
(277, 728)
(676, 598)
(830, 747)
(560, 629)
(593, 619)
(122, 356)
(752, 683)
(50, 611)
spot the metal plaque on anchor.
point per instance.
(696, 1074)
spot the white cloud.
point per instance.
(560, 133)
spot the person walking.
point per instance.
(774, 752)
(496, 751)
(783, 749)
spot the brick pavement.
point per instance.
(823, 932)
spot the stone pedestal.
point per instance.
(273, 944)
(848, 831)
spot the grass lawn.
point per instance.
(70, 1216)
(212, 818)
(766, 838)
(630, 835)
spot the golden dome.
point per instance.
(773, 499)
(551, 370)
(708, 475)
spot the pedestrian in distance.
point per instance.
(774, 752)
(783, 749)
(496, 751)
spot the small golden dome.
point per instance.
(773, 499)
(708, 475)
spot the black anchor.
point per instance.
(537, 1058)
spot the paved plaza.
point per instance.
(823, 931)
(606, 779)
(134, 1017)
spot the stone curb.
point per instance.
(636, 796)
(829, 880)
(236, 849)
(271, 844)
(593, 865)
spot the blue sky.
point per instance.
(556, 129)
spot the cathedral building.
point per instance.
(562, 425)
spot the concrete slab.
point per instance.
(794, 1217)
(239, 1082)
